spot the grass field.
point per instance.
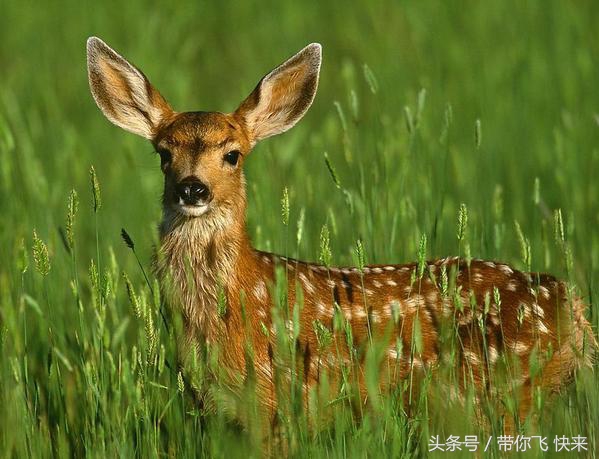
(422, 106)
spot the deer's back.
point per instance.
(467, 315)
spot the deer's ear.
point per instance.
(283, 96)
(122, 92)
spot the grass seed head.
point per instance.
(332, 170)
(40, 255)
(558, 225)
(324, 336)
(462, 221)
(325, 247)
(525, 249)
(180, 383)
(95, 184)
(370, 79)
(72, 207)
(422, 255)
(133, 299)
(360, 254)
(285, 206)
(127, 239)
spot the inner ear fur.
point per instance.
(283, 96)
(123, 92)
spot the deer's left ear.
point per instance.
(283, 96)
(122, 92)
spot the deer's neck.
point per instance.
(197, 261)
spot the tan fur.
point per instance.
(495, 310)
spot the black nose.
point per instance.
(192, 192)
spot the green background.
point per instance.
(403, 86)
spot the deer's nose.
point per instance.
(191, 192)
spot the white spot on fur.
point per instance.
(375, 317)
(387, 309)
(477, 277)
(417, 363)
(391, 283)
(306, 283)
(260, 291)
(505, 269)
(471, 357)
(494, 319)
(392, 353)
(541, 327)
(538, 310)
(411, 305)
(346, 271)
(519, 347)
(266, 259)
(419, 299)
(347, 313)
(377, 270)
(545, 292)
(265, 369)
(389, 268)
(512, 286)
(331, 283)
(432, 296)
(377, 284)
(492, 354)
(490, 264)
(359, 313)
(323, 310)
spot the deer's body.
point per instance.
(534, 312)
(206, 259)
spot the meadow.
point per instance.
(424, 108)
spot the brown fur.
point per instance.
(495, 310)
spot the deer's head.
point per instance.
(202, 153)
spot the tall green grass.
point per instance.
(422, 107)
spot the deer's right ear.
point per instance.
(283, 96)
(122, 92)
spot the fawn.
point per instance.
(206, 255)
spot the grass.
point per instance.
(422, 107)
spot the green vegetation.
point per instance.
(422, 107)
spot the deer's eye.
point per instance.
(165, 157)
(232, 157)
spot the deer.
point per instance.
(205, 257)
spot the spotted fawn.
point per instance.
(205, 258)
